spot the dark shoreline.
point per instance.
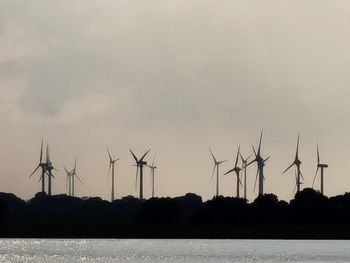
(309, 215)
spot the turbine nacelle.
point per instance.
(142, 163)
(322, 165)
(237, 169)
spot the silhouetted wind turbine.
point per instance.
(74, 174)
(237, 170)
(153, 167)
(139, 165)
(260, 169)
(49, 169)
(297, 163)
(71, 178)
(216, 166)
(42, 166)
(111, 165)
(321, 166)
(244, 165)
(68, 181)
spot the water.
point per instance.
(32, 250)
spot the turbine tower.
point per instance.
(237, 170)
(139, 165)
(260, 161)
(49, 169)
(153, 167)
(321, 166)
(216, 166)
(41, 165)
(297, 163)
(244, 165)
(111, 165)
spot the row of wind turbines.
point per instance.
(46, 171)
(239, 171)
(47, 167)
(260, 178)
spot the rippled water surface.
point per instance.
(54, 250)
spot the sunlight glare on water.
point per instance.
(102, 250)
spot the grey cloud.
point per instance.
(227, 68)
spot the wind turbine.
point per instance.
(70, 178)
(216, 166)
(260, 161)
(43, 168)
(321, 166)
(49, 169)
(74, 174)
(111, 165)
(153, 167)
(68, 181)
(139, 165)
(237, 170)
(244, 165)
(297, 163)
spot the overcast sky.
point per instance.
(176, 77)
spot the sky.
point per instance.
(177, 77)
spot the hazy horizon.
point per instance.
(176, 77)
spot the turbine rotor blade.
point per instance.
(240, 181)
(248, 158)
(68, 173)
(109, 169)
(41, 151)
(212, 174)
(254, 151)
(318, 155)
(78, 178)
(313, 182)
(109, 154)
(288, 167)
(47, 154)
(261, 135)
(238, 152)
(212, 154)
(134, 156)
(250, 162)
(143, 156)
(230, 171)
(242, 159)
(48, 157)
(137, 172)
(36, 169)
(297, 152)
